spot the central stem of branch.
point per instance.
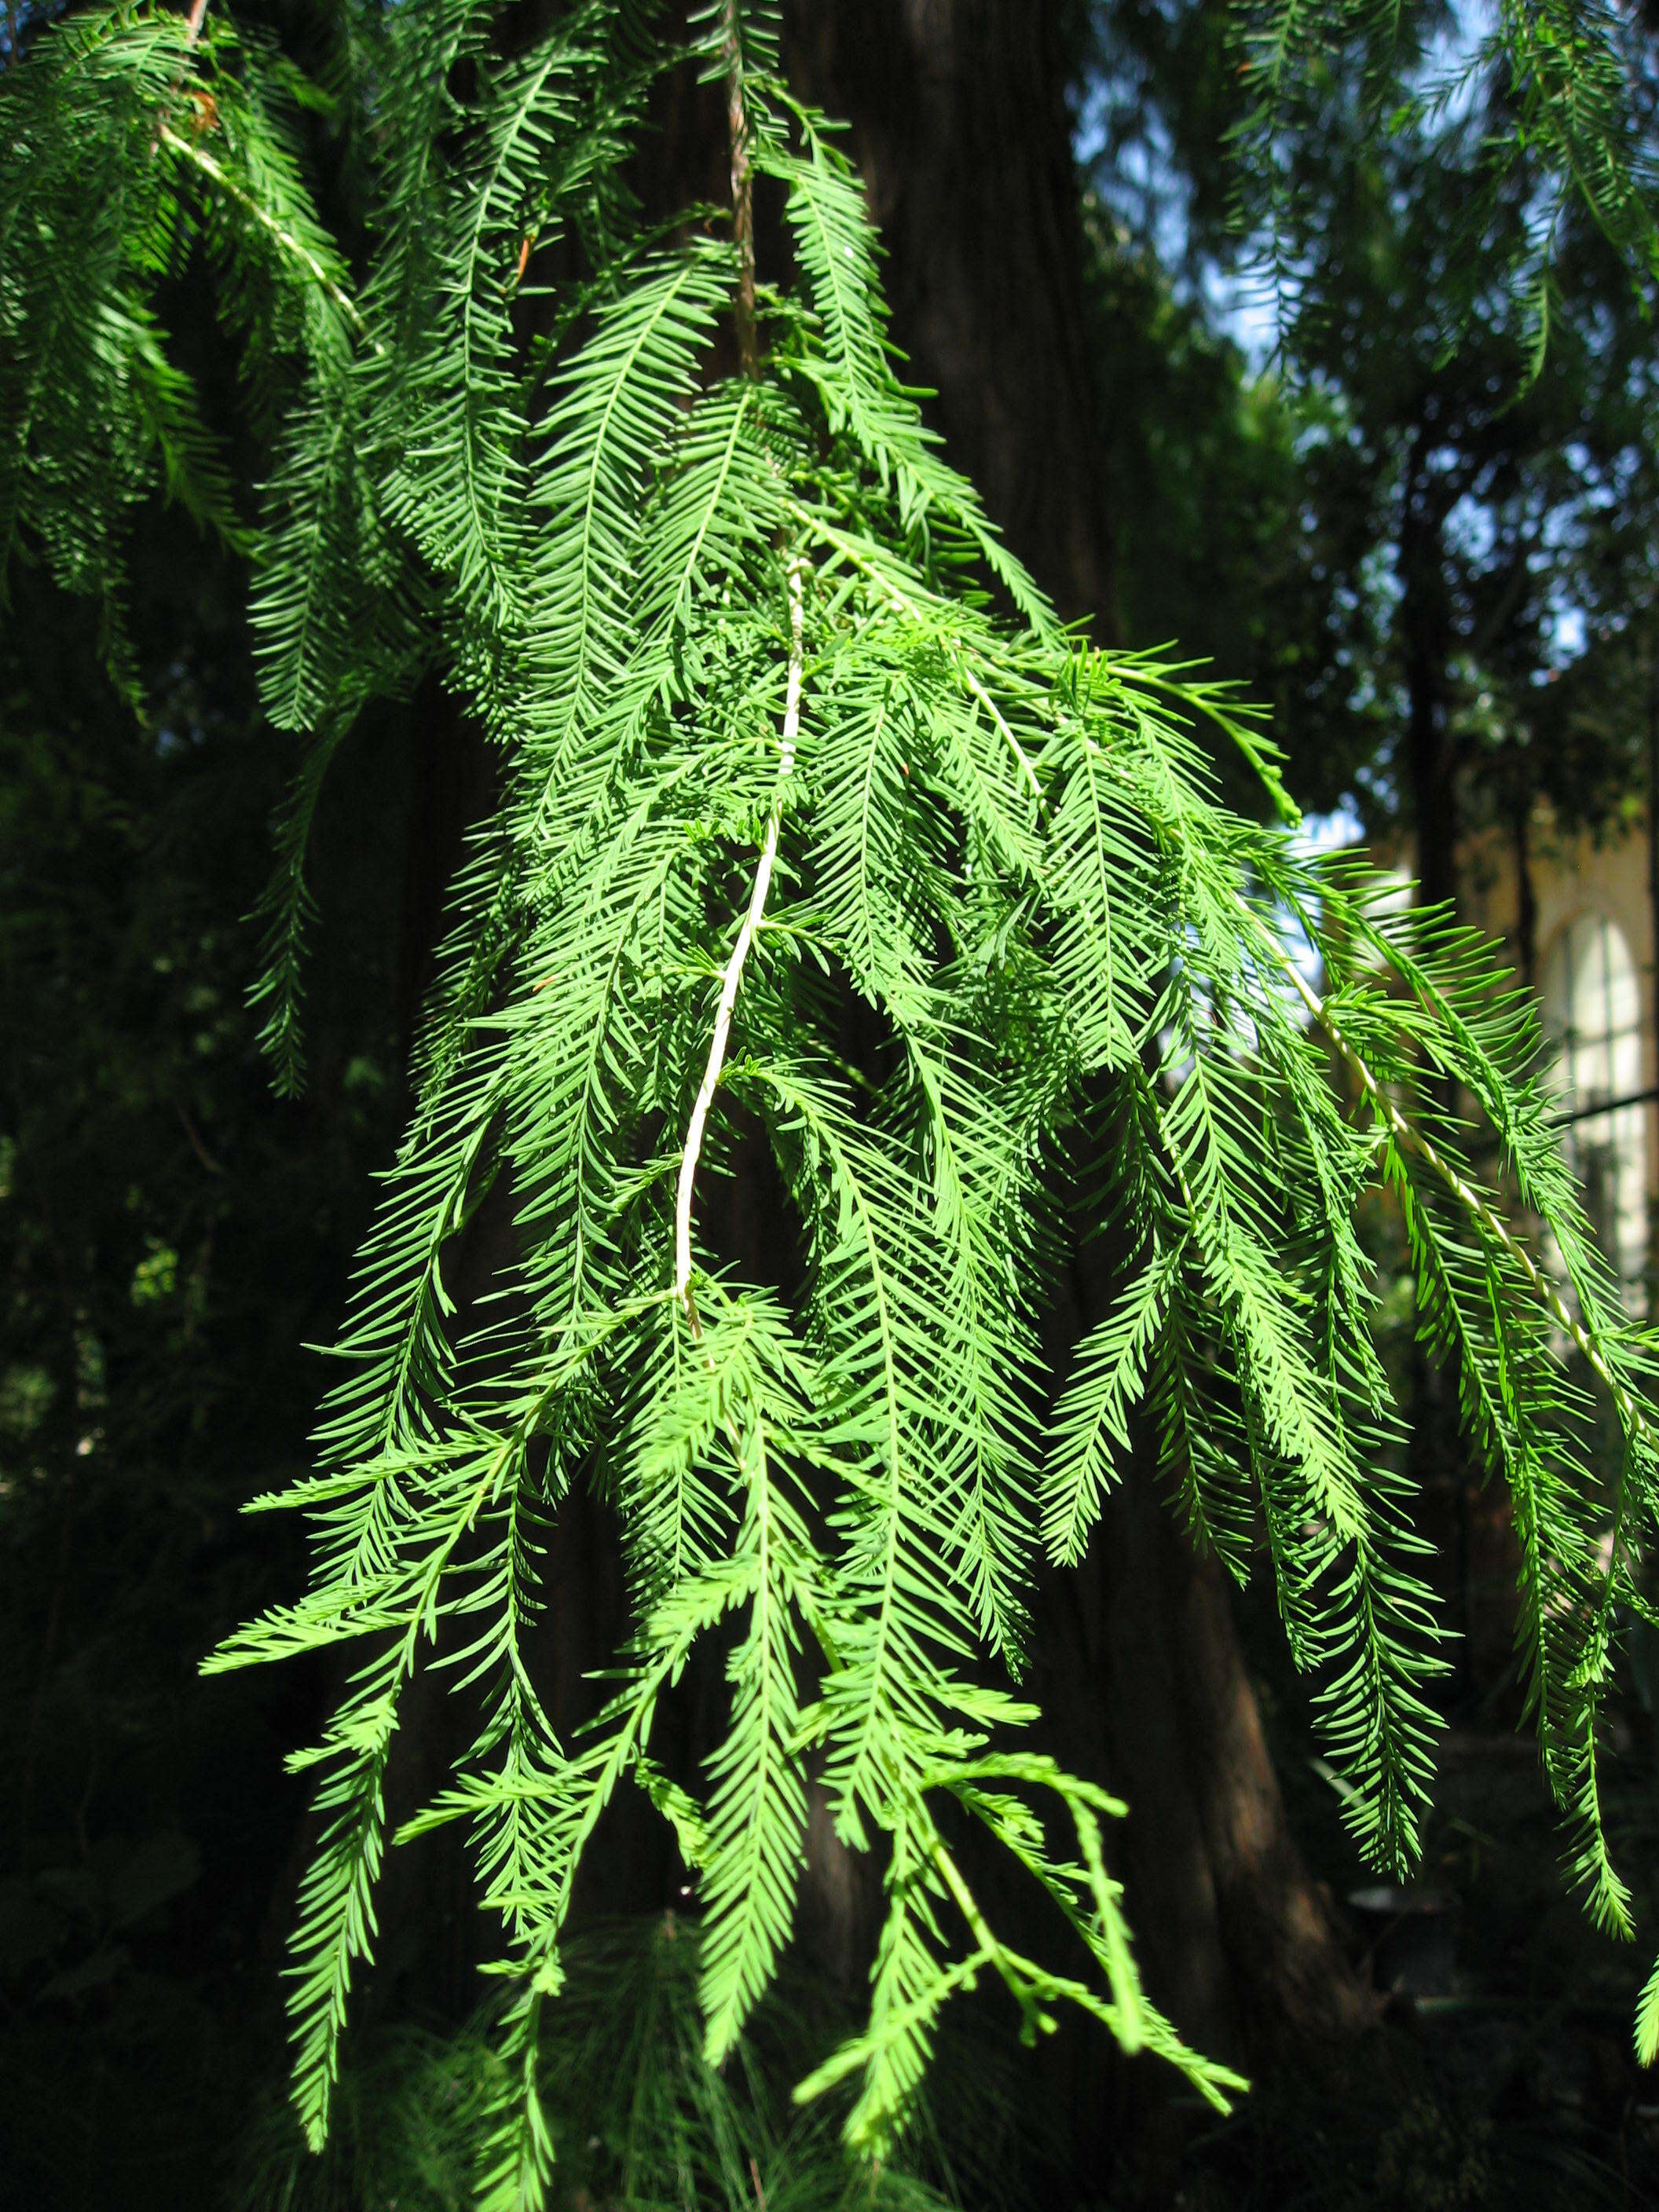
(743, 194)
(733, 977)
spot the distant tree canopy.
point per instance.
(1457, 273)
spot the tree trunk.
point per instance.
(1526, 891)
(959, 123)
(960, 127)
(1652, 823)
(1425, 629)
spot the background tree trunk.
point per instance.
(1426, 634)
(961, 128)
(1426, 626)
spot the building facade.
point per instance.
(1593, 952)
(1594, 948)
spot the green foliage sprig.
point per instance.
(783, 732)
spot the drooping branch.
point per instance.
(851, 551)
(733, 977)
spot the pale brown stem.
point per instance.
(733, 976)
(204, 162)
(743, 194)
(193, 23)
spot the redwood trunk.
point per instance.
(960, 127)
(1426, 630)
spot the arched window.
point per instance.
(1593, 1014)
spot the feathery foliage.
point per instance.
(809, 813)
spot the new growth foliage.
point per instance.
(782, 731)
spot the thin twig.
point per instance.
(743, 192)
(733, 976)
(213, 1166)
